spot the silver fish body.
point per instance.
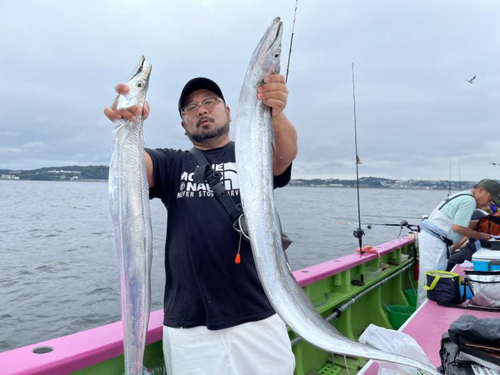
(131, 216)
(254, 139)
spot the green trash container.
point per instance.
(411, 296)
(398, 314)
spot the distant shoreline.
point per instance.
(100, 173)
(290, 185)
(32, 180)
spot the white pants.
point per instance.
(433, 256)
(254, 348)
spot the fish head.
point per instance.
(266, 57)
(138, 86)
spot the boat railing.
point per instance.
(353, 292)
(349, 291)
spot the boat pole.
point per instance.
(449, 182)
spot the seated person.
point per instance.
(464, 253)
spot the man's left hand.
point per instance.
(273, 93)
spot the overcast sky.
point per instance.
(416, 114)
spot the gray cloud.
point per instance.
(416, 114)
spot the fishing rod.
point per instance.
(358, 232)
(398, 217)
(291, 40)
(402, 224)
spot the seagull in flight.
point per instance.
(471, 81)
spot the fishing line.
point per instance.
(291, 40)
(410, 278)
(346, 367)
(358, 232)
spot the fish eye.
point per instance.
(276, 55)
(139, 84)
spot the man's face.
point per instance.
(203, 124)
(483, 198)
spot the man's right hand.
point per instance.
(128, 114)
(485, 236)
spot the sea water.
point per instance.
(58, 273)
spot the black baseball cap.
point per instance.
(199, 83)
(492, 187)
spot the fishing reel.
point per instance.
(359, 233)
(410, 227)
(404, 224)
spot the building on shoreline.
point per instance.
(9, 177)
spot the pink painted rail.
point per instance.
(83, 349)
(321, 271)
(74, 352)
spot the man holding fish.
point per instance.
(221, 294)
(217, 319)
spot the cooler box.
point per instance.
(486, 260)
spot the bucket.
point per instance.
(398, 314)
(411, 296)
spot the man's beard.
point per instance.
(204, 136)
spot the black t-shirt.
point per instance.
(204, 286)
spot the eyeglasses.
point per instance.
(208, 103)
